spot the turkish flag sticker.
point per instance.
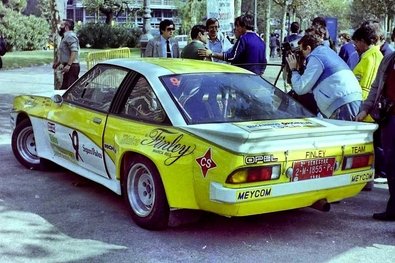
(206, 162)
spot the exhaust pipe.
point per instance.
(322, 205)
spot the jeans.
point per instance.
(347, 112)
(388, 144)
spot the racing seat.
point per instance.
(203, 104)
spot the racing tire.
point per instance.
(144, 194)
(24, 145)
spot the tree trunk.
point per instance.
(283, 25)
(267, 27)
(237, 4)
(109, 13)
(58, 12)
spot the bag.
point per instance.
(3, 46)
(381, 109)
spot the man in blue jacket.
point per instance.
(333, 84)
(348, 52)
(249, 50)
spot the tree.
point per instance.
(382, 10)
(237, 5)
(15, 5)
(191, 12)
(109, 8)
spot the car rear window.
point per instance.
(230, 97)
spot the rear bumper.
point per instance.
(287, 196)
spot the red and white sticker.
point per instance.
(206, 162)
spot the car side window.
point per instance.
(97, 88)
(142, 103)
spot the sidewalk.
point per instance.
(33, 81)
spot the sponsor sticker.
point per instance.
(206, 162)
(51, 127)
(169, 144)
(253, 194)
(254, 159)
(362, 177)
(279, 125)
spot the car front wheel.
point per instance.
(24, 145)
(145, 195)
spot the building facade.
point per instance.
(129, 13)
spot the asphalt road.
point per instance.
(56, 216)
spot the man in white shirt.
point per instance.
(217, 43)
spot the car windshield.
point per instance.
(230, 97)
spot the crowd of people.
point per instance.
(208, 43)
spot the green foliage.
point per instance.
(100, 35)
(191, 12)
(16, 5)
(24, 32)
(378, 9)
(109, 8)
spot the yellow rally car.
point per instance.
(183, 134)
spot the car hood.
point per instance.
(265, 136)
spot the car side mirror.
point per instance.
(57, 99)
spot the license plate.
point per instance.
(313, 169)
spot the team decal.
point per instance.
(129, 140)
(53, 139)
(253, 194)
(362, 177)
(279, 125)
(76, 145)
(169, 144)
(206, 162)
(110, 147)
(51, 127)
(315, 154)
(63, 153)
(358, 149)
(254, 159)
(91, 151)
(59, 151)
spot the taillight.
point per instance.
(357, 161)
(255, 174)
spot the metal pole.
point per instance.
(146, 26)
(255, 16)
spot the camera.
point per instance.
(290, 47)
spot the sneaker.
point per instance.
(383, 217)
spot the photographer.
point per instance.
(334, 86)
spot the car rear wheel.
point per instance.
(24, 145)
(145, 195)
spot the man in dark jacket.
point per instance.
(199, 39)
(384, 84)
(249, 50)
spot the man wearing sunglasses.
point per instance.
(163, 45)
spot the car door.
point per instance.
(138, 113)
(76, 128)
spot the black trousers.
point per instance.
(388, 144)
(70, 76)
